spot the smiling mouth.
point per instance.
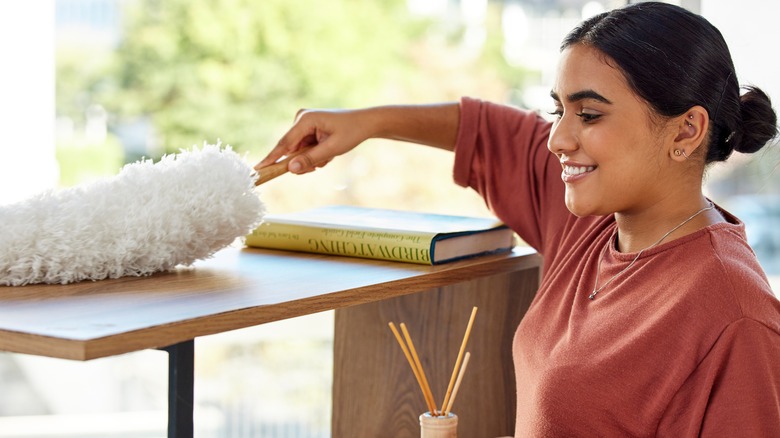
(577, 170)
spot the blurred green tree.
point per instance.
(237, 70)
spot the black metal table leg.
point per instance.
(181, 385)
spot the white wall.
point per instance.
(752, 30)
(27, 160)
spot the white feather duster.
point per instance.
(150, 217)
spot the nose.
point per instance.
(563, 137)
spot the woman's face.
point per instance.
(613, 155)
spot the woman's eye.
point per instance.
(587, 117)
(558, 113)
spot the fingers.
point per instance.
(304, 161)
(310, 160)
(331, 132)
(298, 136)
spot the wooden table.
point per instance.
(374, 393)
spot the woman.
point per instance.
(653, 316)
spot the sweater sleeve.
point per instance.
(735, 391)
(501, 152)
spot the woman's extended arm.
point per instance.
(336, 132)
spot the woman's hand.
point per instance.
(336, 132)
(333, 132)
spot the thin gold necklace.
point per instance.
(597, 289)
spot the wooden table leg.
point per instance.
(375, 393)
(181, 385)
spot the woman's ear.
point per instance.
(691, 130)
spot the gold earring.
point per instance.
(677, 152)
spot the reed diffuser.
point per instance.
(436, 423)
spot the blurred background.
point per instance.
(89, 85)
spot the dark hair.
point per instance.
(675, 59)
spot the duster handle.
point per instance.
(278, 168)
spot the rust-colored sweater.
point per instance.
(685, 343)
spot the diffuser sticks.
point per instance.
(461, 362)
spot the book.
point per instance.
(397, 235)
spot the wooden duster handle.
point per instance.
(278, 168)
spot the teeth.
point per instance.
(572, 170)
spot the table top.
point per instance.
(237, 288)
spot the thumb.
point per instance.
(299, 163)
(311, 158)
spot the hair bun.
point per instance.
(759, 121)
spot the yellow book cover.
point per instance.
(397, 235)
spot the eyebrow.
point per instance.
(581, 95)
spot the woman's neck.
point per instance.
(667, 220)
